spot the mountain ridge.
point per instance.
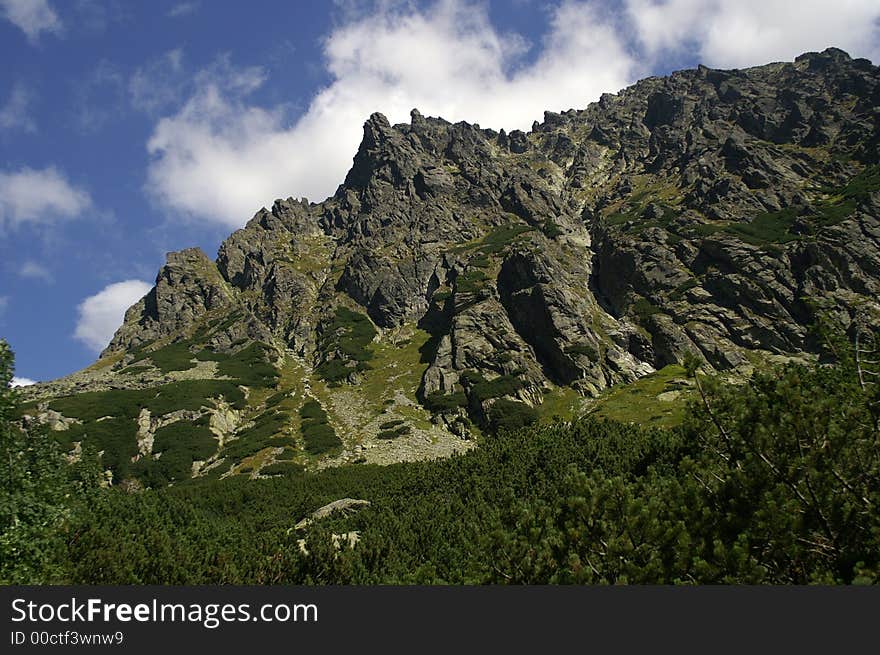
(707, 213)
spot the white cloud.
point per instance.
(221, 157)
(34, 270)
(14, 114)
(158, 84)
(740, 33)
(101, 314)
(183, 9)
(39, 196)
(21, 382)
(31, 16)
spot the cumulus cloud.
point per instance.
(221, 155)
(740, 33)
(21, 382)
(39, 196)
(14, 114)
(31, 16)
(34, 270)
(101, 314)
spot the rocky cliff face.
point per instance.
(702, 212)
(708, 212)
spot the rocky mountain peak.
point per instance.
(709, 213)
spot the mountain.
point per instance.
(462, 280)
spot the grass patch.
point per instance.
(769, 227)
(396, 368)
(502, 236)
(470, 281)
(705, 229)
(563, 403)
(638, 402)
(843, 201)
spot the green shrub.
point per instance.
(480, 261)
(283, 468)
(266, 432)
(583, 349)
(320, 438)
(510, 415)
(770, 227)
(335, 371)
(174, 357)
(644, 308)
(845, 200)
(277, 398)
(344, 341)
(502, 236)
(179, 445)
(394, 434)
(250, 366)
(551, 230)
(117, 437)
(482, 389)
(387, 425)
(470, 281)
(312, 409)
(442, 402)
(747, 491)
(319, 435)
(210, 355)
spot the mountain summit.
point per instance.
(463, 279)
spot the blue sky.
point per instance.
(129, 129)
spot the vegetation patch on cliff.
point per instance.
(319, 435)
(344, 345)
